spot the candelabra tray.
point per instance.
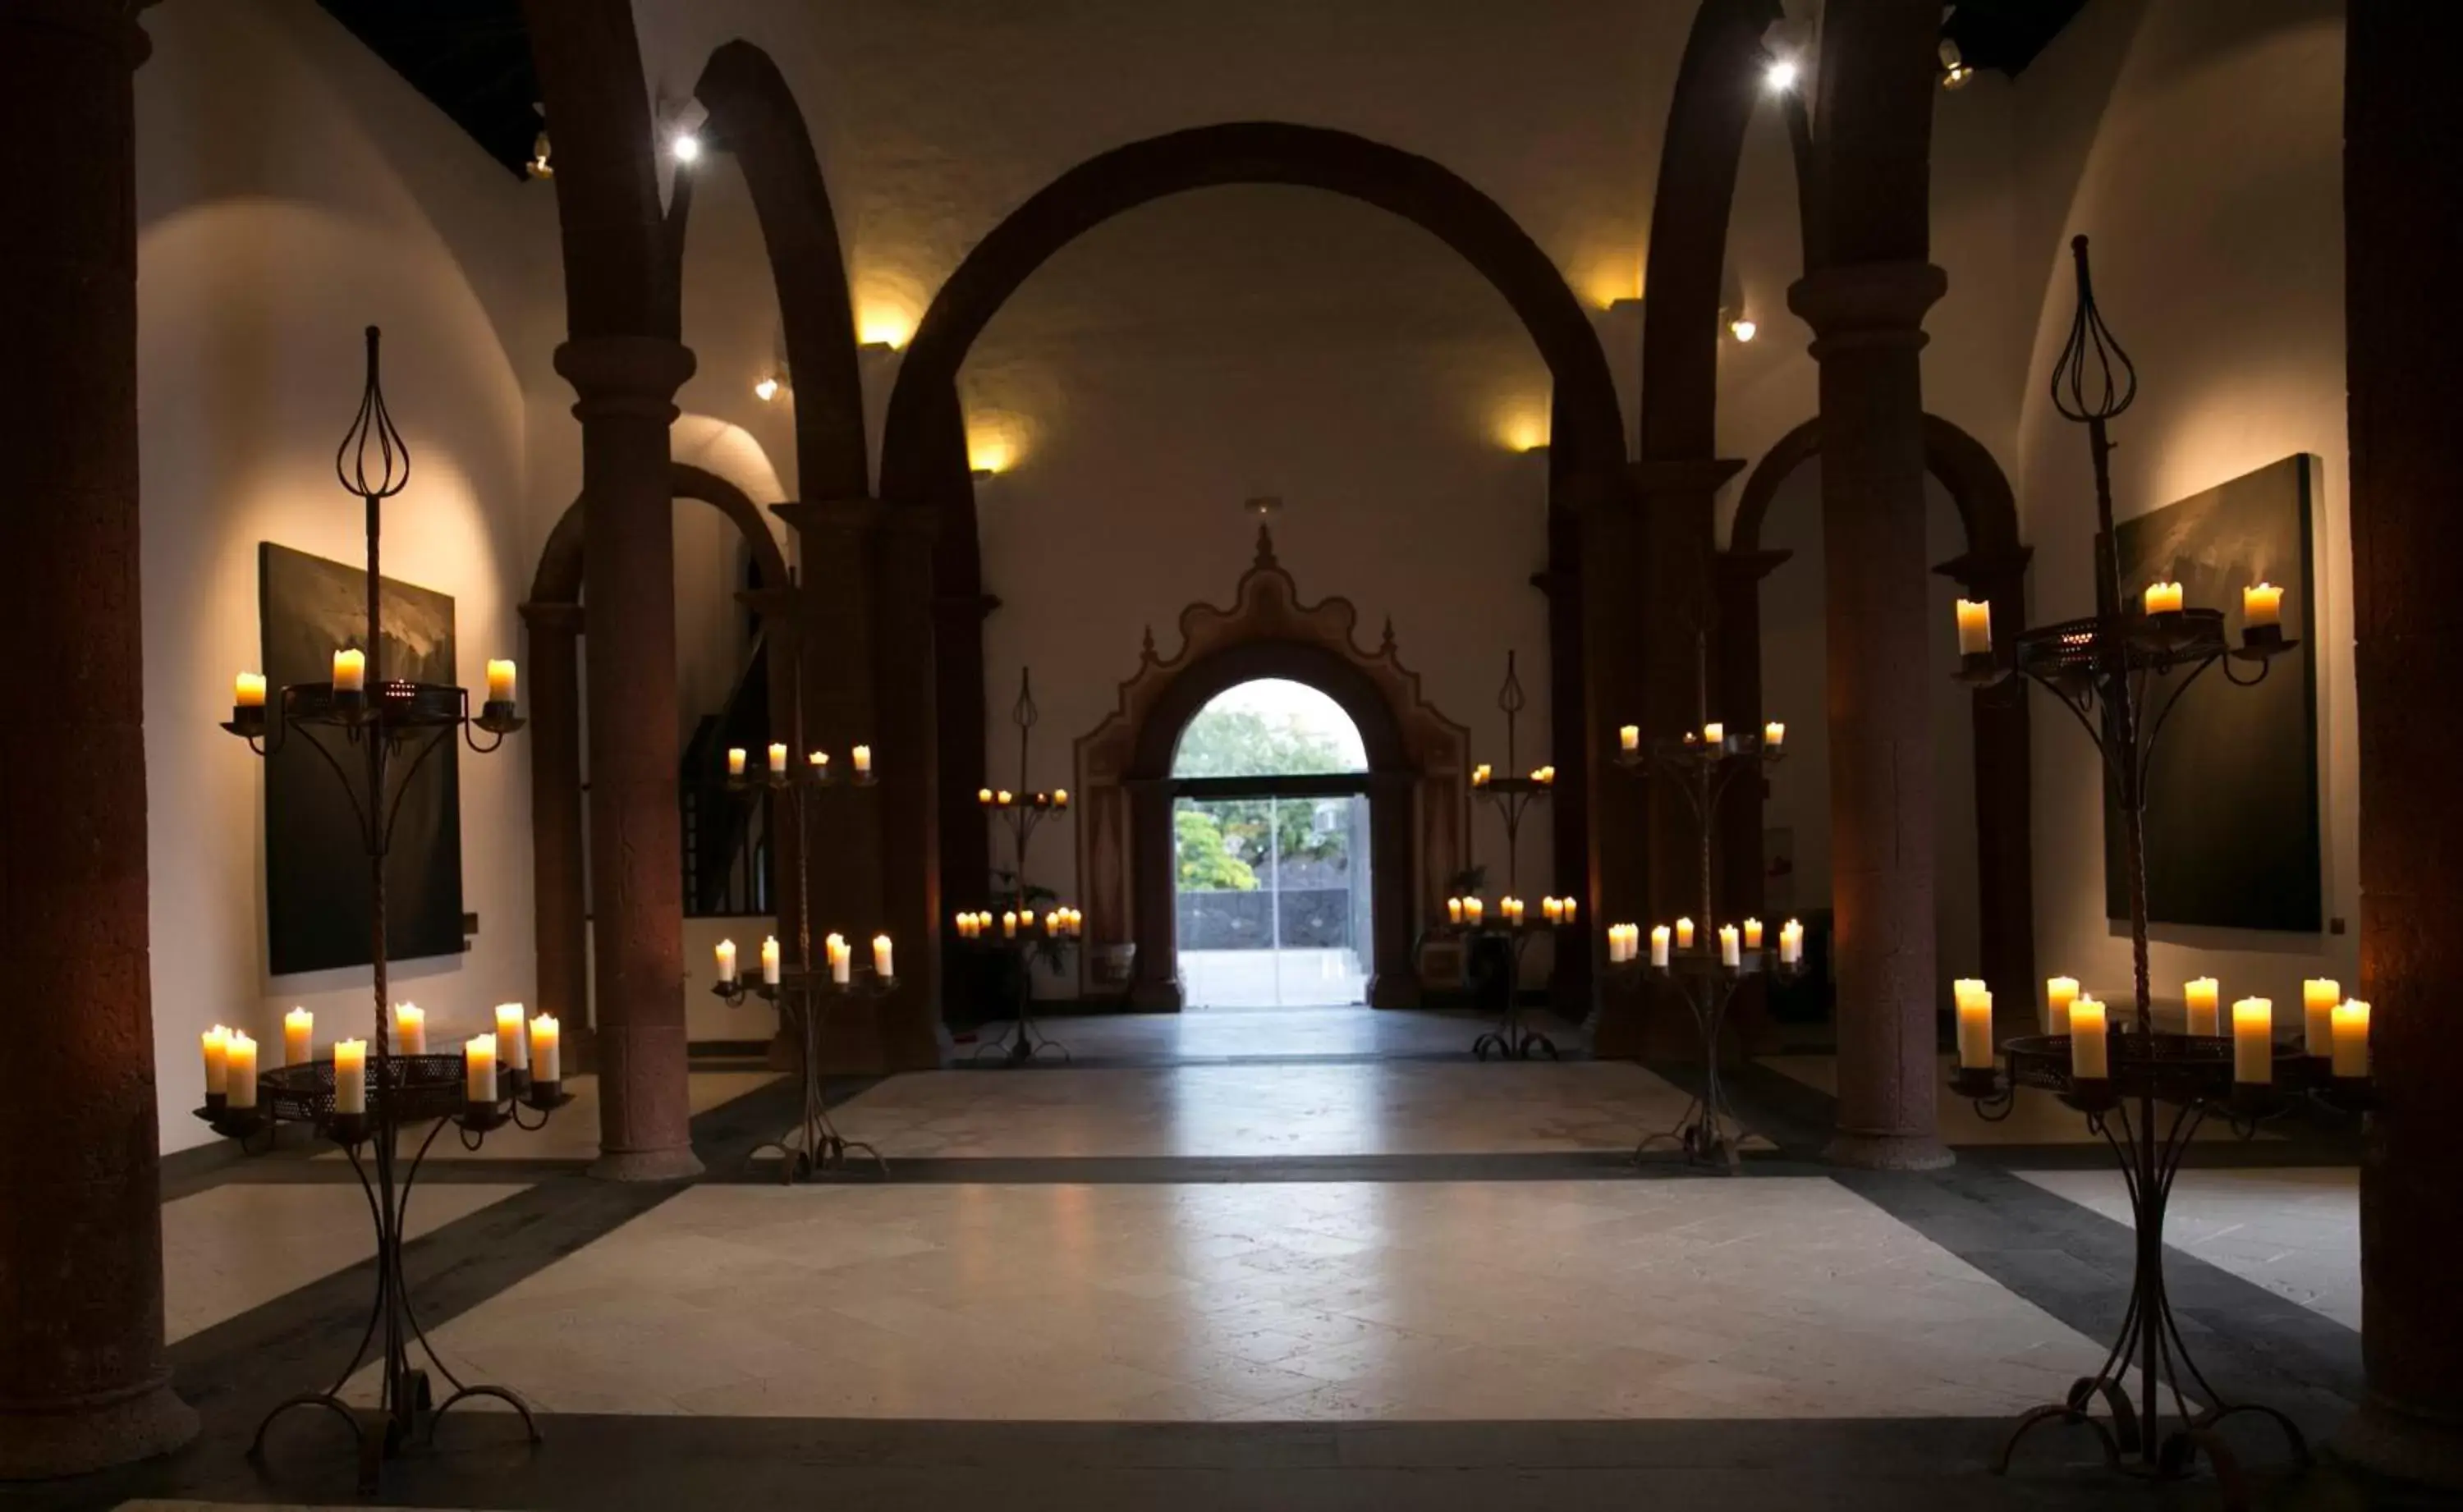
(1700, 962)
(2181, 1070)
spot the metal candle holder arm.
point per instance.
(375, 724)
(1512, 796)
(1021, 811)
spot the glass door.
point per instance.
(1272, 897)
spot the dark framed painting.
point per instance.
(317, 894)
(2231, 793)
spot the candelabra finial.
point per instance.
(373, 460)
(2094, 379)
(1023, 713)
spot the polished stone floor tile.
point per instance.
(2296, 1232)
(1365, 1107)
(1458, 1300)
(1234, 1033)
(241, 1244)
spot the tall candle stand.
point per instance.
(1513, 797)
(1016, 936)
(803, 990)
(1705, 960)
(374, 733)
(2100, 669)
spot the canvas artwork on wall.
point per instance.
(316, 868)
(2232, 799)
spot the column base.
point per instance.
(2404, 1446)
(38, 1444)
(1154, 997)
(646, 1165)
(1393, 989)
(1888, 1152)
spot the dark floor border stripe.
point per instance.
(2075, 1263)
(595, 1464)
(1568, 1165)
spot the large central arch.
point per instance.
(922, 430)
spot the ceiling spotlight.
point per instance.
(1781, 75)
(686, 147)
(766, 389)
(1956, 70)
(1742, 329)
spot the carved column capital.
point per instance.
(625, 375)
(1867, 304)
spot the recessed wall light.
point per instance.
(766, 389)
(1742, 329)
(687, 147)
(1780, 77)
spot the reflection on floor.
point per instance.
(1292, 977)
(2294, 1232)
(240, 1245)
(1244, 1033)
(1529, 1299)
(1362, 1108)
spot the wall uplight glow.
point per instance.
(1523, 430)
(996, 440)
(884, 325)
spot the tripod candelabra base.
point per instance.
(1022, 1043)
(1511, 1042)
(825, 1154)
(1703, 1135)
(2173, 1456)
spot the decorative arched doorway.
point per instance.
(1415, 781)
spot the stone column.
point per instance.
(1869, 333)
(910, 857)
(1613, 636)
(1737, 696)
(1154, 983)
(83, 1383)
(628, 387)
(2005, 864)
(2403, 310)
(559, 895)
(1394, 976)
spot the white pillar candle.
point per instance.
(777, 756)
(863, 757)
(2254, 1039)
(500, 680)
(410, 1029)
(1475, 908)
(1714, 733)
(1773, 735)
(1568, 908)
(726, 960)
(1730, 947)
(2351, 1028)
(479, 1069)
(770, 960)
(240, 1075)
(1975, 627)
(2163, 599)
(1791, 942)
(819, 762)
(2317, 998)
(1629, 737)
(984, 796)
(2091, 1050)
(1008, 924)
(350, 1076)
(1753, 934)
(1061, 798)
(2060, 993)
(547, 1048)
(1975, 1027)
(736, 761)
(1004, 797)
(841, 959)
(1660, 940)
(882, 960)
(298, 1037)
(2203, 998)
(350, 670)
(217, 1047)
(1685, 934)
(1454, 911)
(2261, 605)
(248, 690)
(512, 1046)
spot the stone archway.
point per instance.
(1418, 773)
(557, 619)
(1993, 568)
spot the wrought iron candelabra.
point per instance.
(2104, 669)
(803, 990)
(1512, 796)
(1708, 960)
(1015, 935)
(374, 733)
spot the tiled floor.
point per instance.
(2036, 1117)
(1218, 1033)
(239, 1245)
(2296, 1232)
(1367, 1108)
(1345, 1301)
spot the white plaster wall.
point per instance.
(2200, 146)
(291, 190)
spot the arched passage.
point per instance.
(1588, 452)
(1994, 568)
(557, 619)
